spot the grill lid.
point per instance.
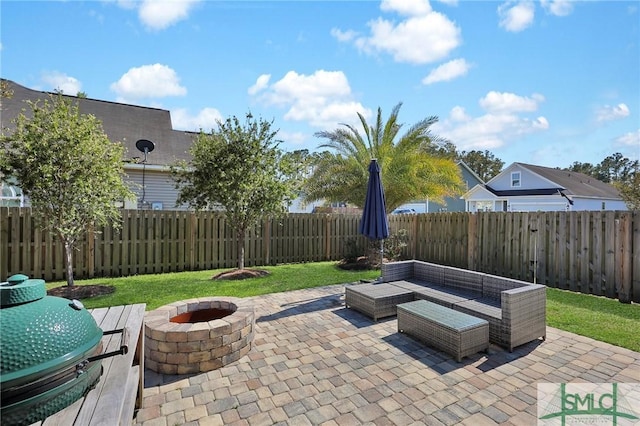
(40, 334)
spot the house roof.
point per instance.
(480, 190)
(568, 182)
(574, 183)
(121, 122)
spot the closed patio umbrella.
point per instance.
(374, 224)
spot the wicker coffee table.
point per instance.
(453, 332)
(376, 300)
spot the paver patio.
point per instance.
(315, 362)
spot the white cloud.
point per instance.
(261, 83)
(608, 112)
(206, 119)
(322, 99)
(510, 102)
(149, 81)
(501, 124)
(515, 17)
(557, 7)
(406, 7)
(161, 14)
(540, 123)
(292, 138)
(62, 82)
(343, 36)
(447, 72)
(425, 36)
(127, 4)
(459, 114)
(631, 139)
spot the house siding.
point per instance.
(159, 187)
(545, 205)
(591, 204)
(528, 181)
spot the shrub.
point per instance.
(395, 244)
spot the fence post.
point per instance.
(472, 242)
(414, 235)
(623, 265)
(635, 249)
(91, 252)
(266, 241)
(191, 239)
(327, 240)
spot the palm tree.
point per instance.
(412, 166)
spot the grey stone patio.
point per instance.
(314, 362)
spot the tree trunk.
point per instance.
(241, 234)
(68, 250)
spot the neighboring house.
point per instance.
(451, 204)
(525, 187)
(150, 180)
(10, 195)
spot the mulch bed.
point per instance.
(362, 263)
(81, 291)
(240, 274)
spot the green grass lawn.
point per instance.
(159, 289)
(603, 319)
(600, 318)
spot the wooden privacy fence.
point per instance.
(593, 252)
(157, 241)
(590, 252)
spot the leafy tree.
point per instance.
(484, 164)
(5, 90)
(409, 168)
(615, 168)
(630, 190)
(443, 148)
(618, 171)
(585, 168)
(69, 169)
(237, 168)
(301, 162)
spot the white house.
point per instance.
(525, 187)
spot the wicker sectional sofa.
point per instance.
(515, 310)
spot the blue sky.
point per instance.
(547, 83)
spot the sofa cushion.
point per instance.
(441, 295)
(486, 308)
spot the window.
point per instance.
(515, 179)
(10, 195)
(484, 206)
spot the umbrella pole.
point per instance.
(381, 253)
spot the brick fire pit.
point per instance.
(198, 335)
